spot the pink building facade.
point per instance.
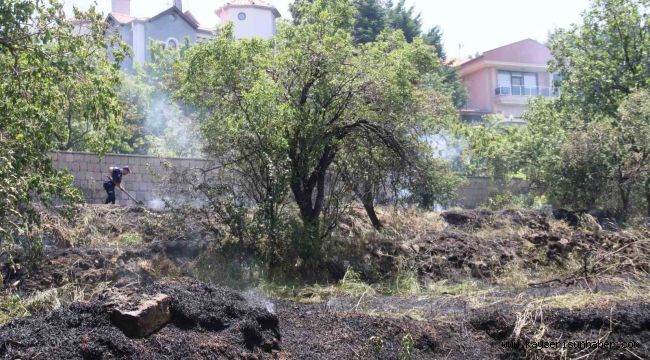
(503, 80)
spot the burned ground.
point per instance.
(207, 322)
(457, 285)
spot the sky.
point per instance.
(469, 26)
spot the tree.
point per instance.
(584, 149)
(492, 149)
(281, 113)
(605, 58)
(40, 59)
(370, 20)
(136, 96)
(401, 18)
(434, 38)
(431, 183)
(374, 16)
(632, 157)
(447, 78)
(600, 163)
(90, 113)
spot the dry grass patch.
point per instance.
(14, 306)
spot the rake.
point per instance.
(132, 198)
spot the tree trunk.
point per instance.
(625, 202)
(426, 202)
(647, 196)
(368, 201)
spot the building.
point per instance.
(251, 18)
(172, 26)
(503, 80)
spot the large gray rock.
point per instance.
(151, 314)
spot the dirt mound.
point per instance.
(81, 266)
(92, 266)
(454, 255)
(206, 322)
(484, 245)
(497, 220)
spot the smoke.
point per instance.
(256, 299)
(446, 146)
(156, 123)
(156, 204)
(171, 128)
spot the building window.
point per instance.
(172, 43)
(517, 83)
(241, 16)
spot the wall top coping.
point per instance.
(129, 155)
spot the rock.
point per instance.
(149, 317)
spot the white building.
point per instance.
(251, 18)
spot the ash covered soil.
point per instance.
(206, 322)
(463, 258)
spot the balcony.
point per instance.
(526, 91)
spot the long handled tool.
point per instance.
(132, 198)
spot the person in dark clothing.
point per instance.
(112, 180)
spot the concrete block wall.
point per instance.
(478, 190)
(148, 173)
(146, 181)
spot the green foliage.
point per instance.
(588, 163)
(432, 183)
(507, 200)
(371, 17)
(58, 91)
(447, 80)
(279, 114)
(408, 344)
(605, 58)
(135, 95)
(587, 149)
(370, 20)
(402, 18)
(11, 306)
(493, 149)
(129, 239)
(434, 38)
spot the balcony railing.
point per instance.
(519, 90)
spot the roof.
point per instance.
(191, 16)
(526, 51)
(524, 55)
(249, 3)
(454, 61)
(124, 19)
